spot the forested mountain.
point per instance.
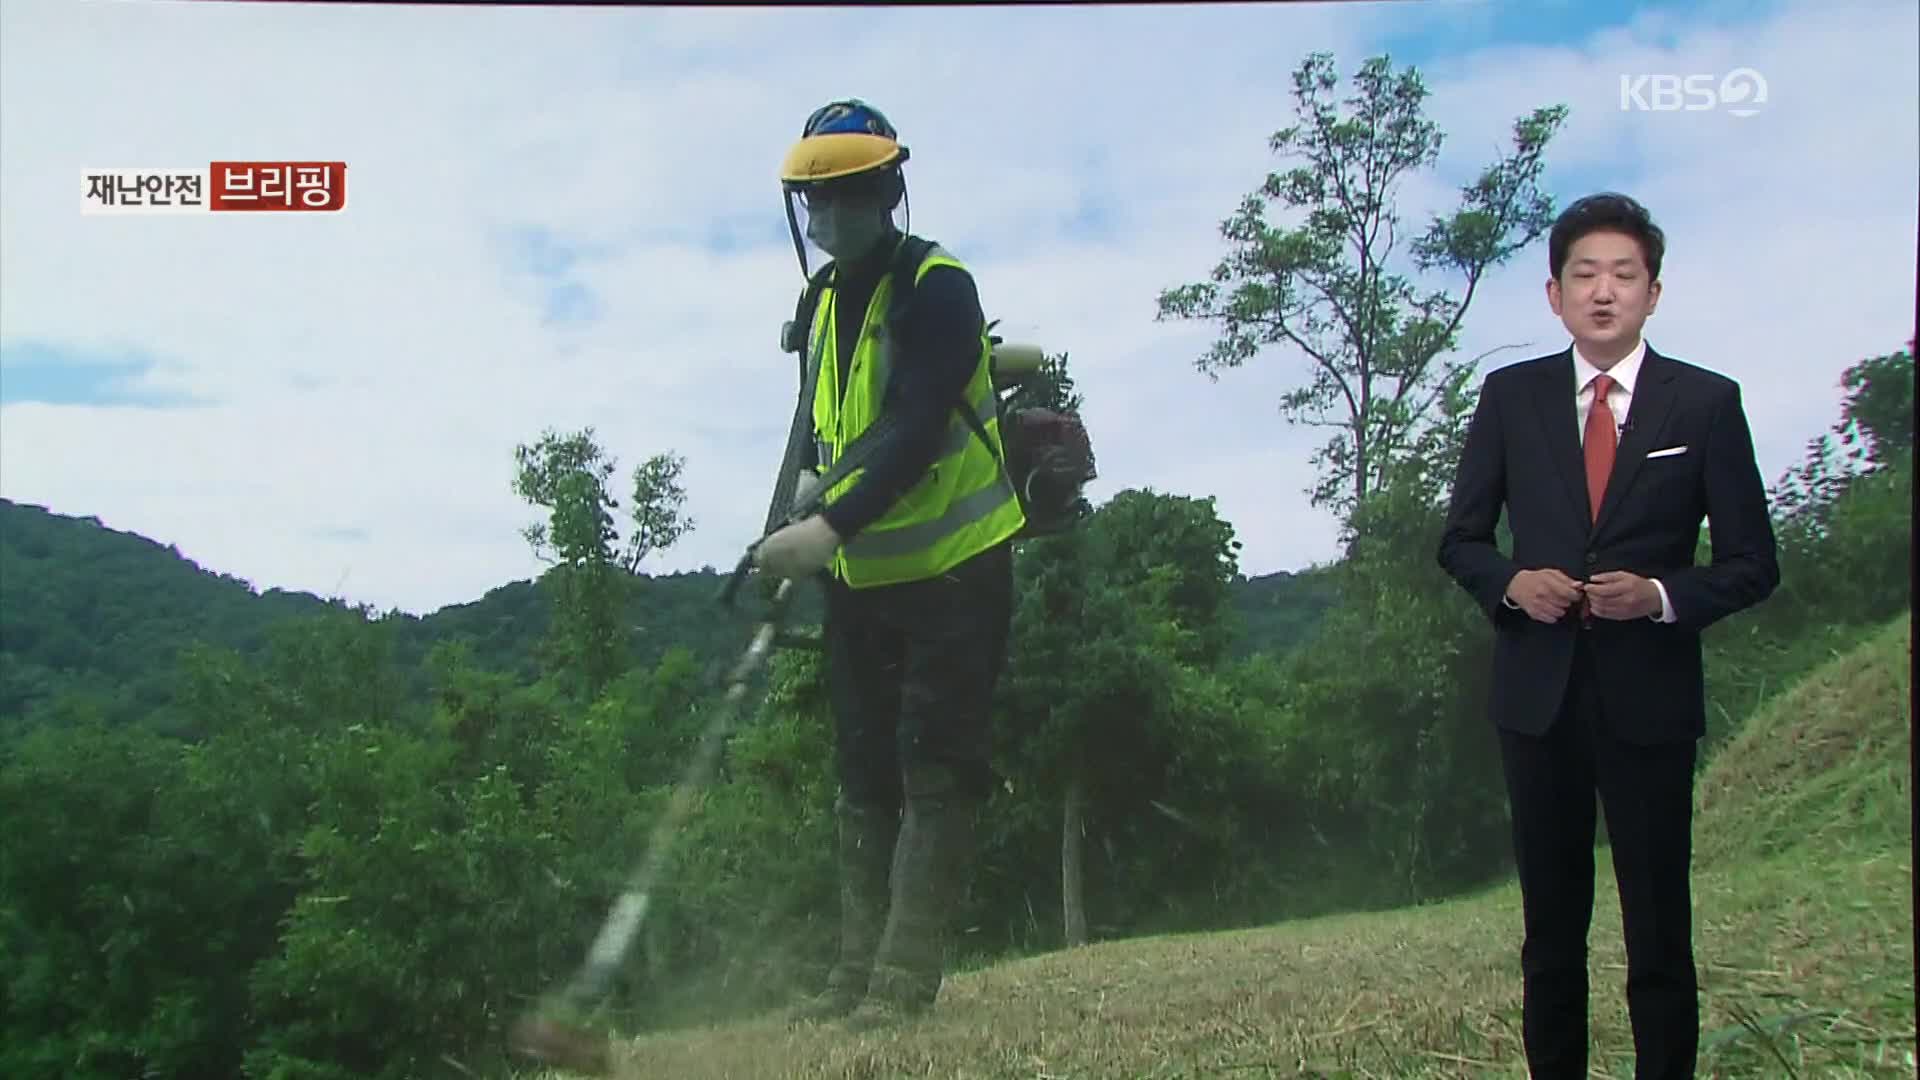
(97, 614)
(92, 611)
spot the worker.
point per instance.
(914, 549)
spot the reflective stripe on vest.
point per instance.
(907, 539)
(962, 506)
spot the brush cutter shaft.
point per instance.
(616, 936)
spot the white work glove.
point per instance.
(799, 549)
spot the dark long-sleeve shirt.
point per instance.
(939, 346)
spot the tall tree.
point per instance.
(1110, 617)
(567, 475)
(1377, 342)
(658, 511)
(1102, 612)
(1087, 687)
(1878, 414)
(1875, 430)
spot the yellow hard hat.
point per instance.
(842, 139)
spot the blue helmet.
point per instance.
(850, 115)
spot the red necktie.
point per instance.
(1598, 444)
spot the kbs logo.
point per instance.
(1741, 92)
(284, 186)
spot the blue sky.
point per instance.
(35, 372)
(568, 217)
(1469, 25)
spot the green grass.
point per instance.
(1803, 934)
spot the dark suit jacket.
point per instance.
(1523, 454)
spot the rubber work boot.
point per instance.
(866, 842)
(929, 879)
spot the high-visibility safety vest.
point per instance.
(962, 506)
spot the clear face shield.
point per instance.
(844, 220)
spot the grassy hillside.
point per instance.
(1804, 939)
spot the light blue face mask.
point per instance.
(846, 230)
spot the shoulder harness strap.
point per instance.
(906, 266)
(794, 337)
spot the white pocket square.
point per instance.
(1668, 452)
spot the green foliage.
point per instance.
(86, 611)
(658, 509)
(752, 918)
(1141, 533)
(1874, 434)
(81, 880)
(567, 476)
(1879, 406)
(411, 936)
(1278, 612)
(330, 881)
(1377, 343)
(1110, 715)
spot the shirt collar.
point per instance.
(1623, 374)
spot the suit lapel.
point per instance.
(1560, 420)
(1652, 400)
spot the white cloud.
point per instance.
(373, 371)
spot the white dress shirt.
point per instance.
(1619, 399)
